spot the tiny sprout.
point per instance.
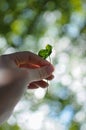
(44, 53)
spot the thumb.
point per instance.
(40, 73)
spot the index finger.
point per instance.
(27, 57)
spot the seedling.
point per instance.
(45, 53)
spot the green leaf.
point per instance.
(44, 53)
(49, 49)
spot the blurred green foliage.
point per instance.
(30, 25)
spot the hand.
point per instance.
(17, 71)
(28, 66)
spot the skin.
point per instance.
(19, 71)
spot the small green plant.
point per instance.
(44, 53)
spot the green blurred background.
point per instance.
(28, 25)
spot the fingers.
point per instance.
(40, 73)
(41, 83)
(29, 65)
(50, 77)
(33, 86)
(36, 68)
(27, 57)
(38, 84)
